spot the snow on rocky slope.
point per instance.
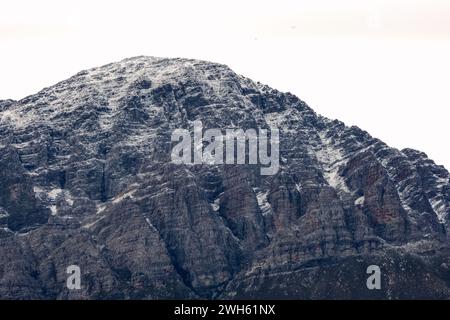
(86, 179)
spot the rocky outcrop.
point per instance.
(86, 179)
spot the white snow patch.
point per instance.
(100, 208)
(438, 202)
(439, 207)
(360, 201)
(122, 197)
(90, 225)
(54, 193)
(38, 190)
(263, 203)
(22, 145)
(53, 196)
(215, 206)
(150, 224)
(216, 203)
(53, 210)
(69, 201)
(331, 159)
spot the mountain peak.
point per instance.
(111, 84)
(86, 168)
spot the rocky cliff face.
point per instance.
(86, 179)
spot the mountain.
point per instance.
(86, 179)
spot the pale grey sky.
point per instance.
(382, 64)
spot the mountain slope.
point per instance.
(86, 179)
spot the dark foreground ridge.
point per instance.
(86, 180)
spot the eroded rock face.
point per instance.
(86, 179)
(19, 207)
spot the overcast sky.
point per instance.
(382, 65)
